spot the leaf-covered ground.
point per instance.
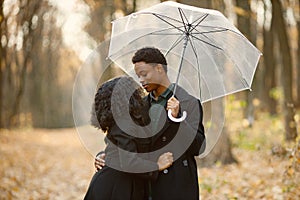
(43, 164)
(53, 164)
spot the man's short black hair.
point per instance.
(150, 55)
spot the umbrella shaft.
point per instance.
(181, 62)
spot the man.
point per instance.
(184, 140)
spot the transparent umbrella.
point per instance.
(206, 54)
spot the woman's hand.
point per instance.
(99, 161)
(165, 160)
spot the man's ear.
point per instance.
(159, 68)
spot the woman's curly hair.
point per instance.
(116, 97)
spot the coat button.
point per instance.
(166, 171)
(185, 163)
(164, 138)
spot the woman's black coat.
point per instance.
(122, 177)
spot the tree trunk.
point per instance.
(286, 70)
(218, 144)
(223, 149)
(12, 120)
(298, 61)
(2, 26)
(246, 27)
(268, 75)
(102, 13)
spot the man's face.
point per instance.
(149, 75)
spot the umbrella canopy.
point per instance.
(206, 54)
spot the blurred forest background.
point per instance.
(45, 42)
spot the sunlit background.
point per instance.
(45, 43)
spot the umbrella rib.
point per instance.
(207, 32)
(203, 33)
(179, 39)
(159, 17)
(183, 16)
(222, 28)
(198, 64)
(201, 20)
(163, 34)
(205, 37)
(219, 27)
(174, 44)
(207, 42)
(214, 31)
(167, 29)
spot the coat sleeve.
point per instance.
(199, 144)
(128, 158)
(194, 125)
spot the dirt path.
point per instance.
(53, 164)
(43, 164)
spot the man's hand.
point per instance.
(99, 161)
(165, 161)
(173, 105)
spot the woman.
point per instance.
(119, 110)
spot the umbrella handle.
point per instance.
(184, 114)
